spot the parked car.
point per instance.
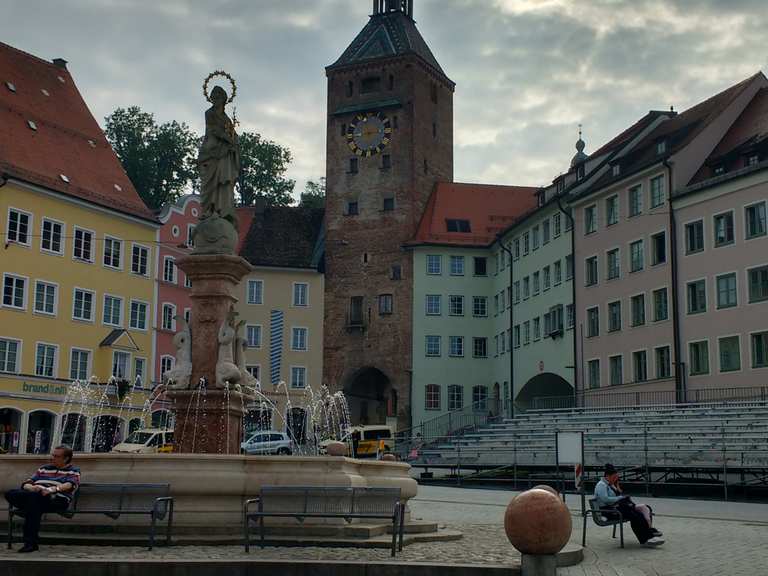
(146, 441)
(268, 442)
(366, 441)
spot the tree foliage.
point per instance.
(314, 194)
(263, 164)
(159, 159)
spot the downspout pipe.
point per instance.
(511, 328)
(680, 391)
(569, 216)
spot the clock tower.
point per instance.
(389, 141)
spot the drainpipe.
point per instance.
(511, 329)
(569, 216)
(680, 391)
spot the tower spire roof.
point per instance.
(390, 31)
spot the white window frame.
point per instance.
(135, 245)
(588, 364)
(475, 300)
(55, 286)
(439, 261)
(144, 371)
(608, 222)
(764, 204)
(89, 365)
(119, 241)
(174, 312)
(306, 378)
(92, 319)
(608, 252)
(439, 340)
(686, 250)
(456, 258)
(688, 282)
(55, 359)
(175, 274)
(128, 363)
(749, 285)
(63, 239)
(720, 370)
(251, 368)
(260, 331)
(451, 340)
(714, 229)
(593, 209)
(586, 318)
(30, 229)
(103, 306)
(75, 230)
(170, 360)
(296, 330)
(439, 304)
(254, 281)
(631, 299)
(25, 294)
(622, 378)
(653, 304)
(146, 314)
(662, 179)
(752, 349)
(690, 364)
(19, 345)
(634, 366)
(629, 253)
(656, 364)
(294, 300)
(716, 290)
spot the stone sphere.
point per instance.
(537, 522)
(547, 488)
(389, 458)
(336, 449)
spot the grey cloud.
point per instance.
(525, 77)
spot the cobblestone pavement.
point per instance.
(703, 539)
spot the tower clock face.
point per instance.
(369, 134)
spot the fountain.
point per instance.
(210, 392)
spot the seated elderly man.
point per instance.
(609, 495)
(50, 489)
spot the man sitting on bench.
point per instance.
(608, 494)
(50, 489)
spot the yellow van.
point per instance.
(146, 441)
(368, 441)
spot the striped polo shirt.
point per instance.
(50, 475)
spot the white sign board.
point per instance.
(569, 448)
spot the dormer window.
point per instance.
(561, 184)
(350, 88)
(752, 160)
(580, 172)
(616, 169)
(370, 84)
(11, 86)
(719, 170)
(540, 197)
(454, 225)
(661, 147)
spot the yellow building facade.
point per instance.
(78, 297)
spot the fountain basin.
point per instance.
(209, 489)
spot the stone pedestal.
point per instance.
(209, 421)
(538, 565)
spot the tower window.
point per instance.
(353, 165)
(391, 82)
(389, 204)
(386, 162)
(397, 272)
(350, 88)
(394, 122)
(426, 166)
(353, 209)
(343, 130)
(370, 84)
(365, 257)
(433, 92)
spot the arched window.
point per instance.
(40, 425)
(10, 430)
(73, 431)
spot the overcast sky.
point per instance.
(527, 71)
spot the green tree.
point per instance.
(159, 159)
(314, 194)
(262, 172)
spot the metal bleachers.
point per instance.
(718, 443)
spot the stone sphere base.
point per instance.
(537, 522)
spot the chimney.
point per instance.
(60, 62)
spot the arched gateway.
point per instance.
(540, 386)
(370, 396)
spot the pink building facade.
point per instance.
(723, 259)
(627, 247)
(172, 291)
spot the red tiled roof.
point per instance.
(245, 216)
(750, 128)
(67, 141)
(489, 209)
(628, 134)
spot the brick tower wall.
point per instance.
(385, 343)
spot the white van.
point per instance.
(146, 441)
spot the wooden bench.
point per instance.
(303, 502)
(114, 500)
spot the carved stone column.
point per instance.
(210, 420)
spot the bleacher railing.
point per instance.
(451, 424)
(602, 399)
